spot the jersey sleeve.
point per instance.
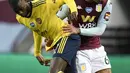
(71, 4)
(37, 44)
(105, 15)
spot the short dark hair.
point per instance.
(14, 5)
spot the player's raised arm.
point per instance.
(65, 4)
(71, 4)
(73, 9)
(63, 12)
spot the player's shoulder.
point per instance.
(107, 5)
(36, 3)
(107, 2)
(18, 17)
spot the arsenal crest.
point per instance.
(38, 20)
(99, 7)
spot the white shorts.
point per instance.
(91, 61)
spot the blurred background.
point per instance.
(16, 41)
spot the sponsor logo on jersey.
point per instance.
(88, 18)
(88, 21)
(87, 25)
(43, 33)
(79, 7)
(38, 20)
(99, 7)
(88, 9)
(107, 16)
(32, 24)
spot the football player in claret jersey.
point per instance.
(93, 17)
(40, 17)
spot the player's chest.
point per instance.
(35, 24)
(88, 11)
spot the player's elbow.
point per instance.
(63, 12)
(101, 30)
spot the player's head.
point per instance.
(21, 7)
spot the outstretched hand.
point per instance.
(43, 61)
(47, 62)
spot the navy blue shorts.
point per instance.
(66, 48)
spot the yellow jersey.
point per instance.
(44, 22)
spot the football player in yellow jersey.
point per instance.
(40, 17)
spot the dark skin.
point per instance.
(25, 8)
(58, 64)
